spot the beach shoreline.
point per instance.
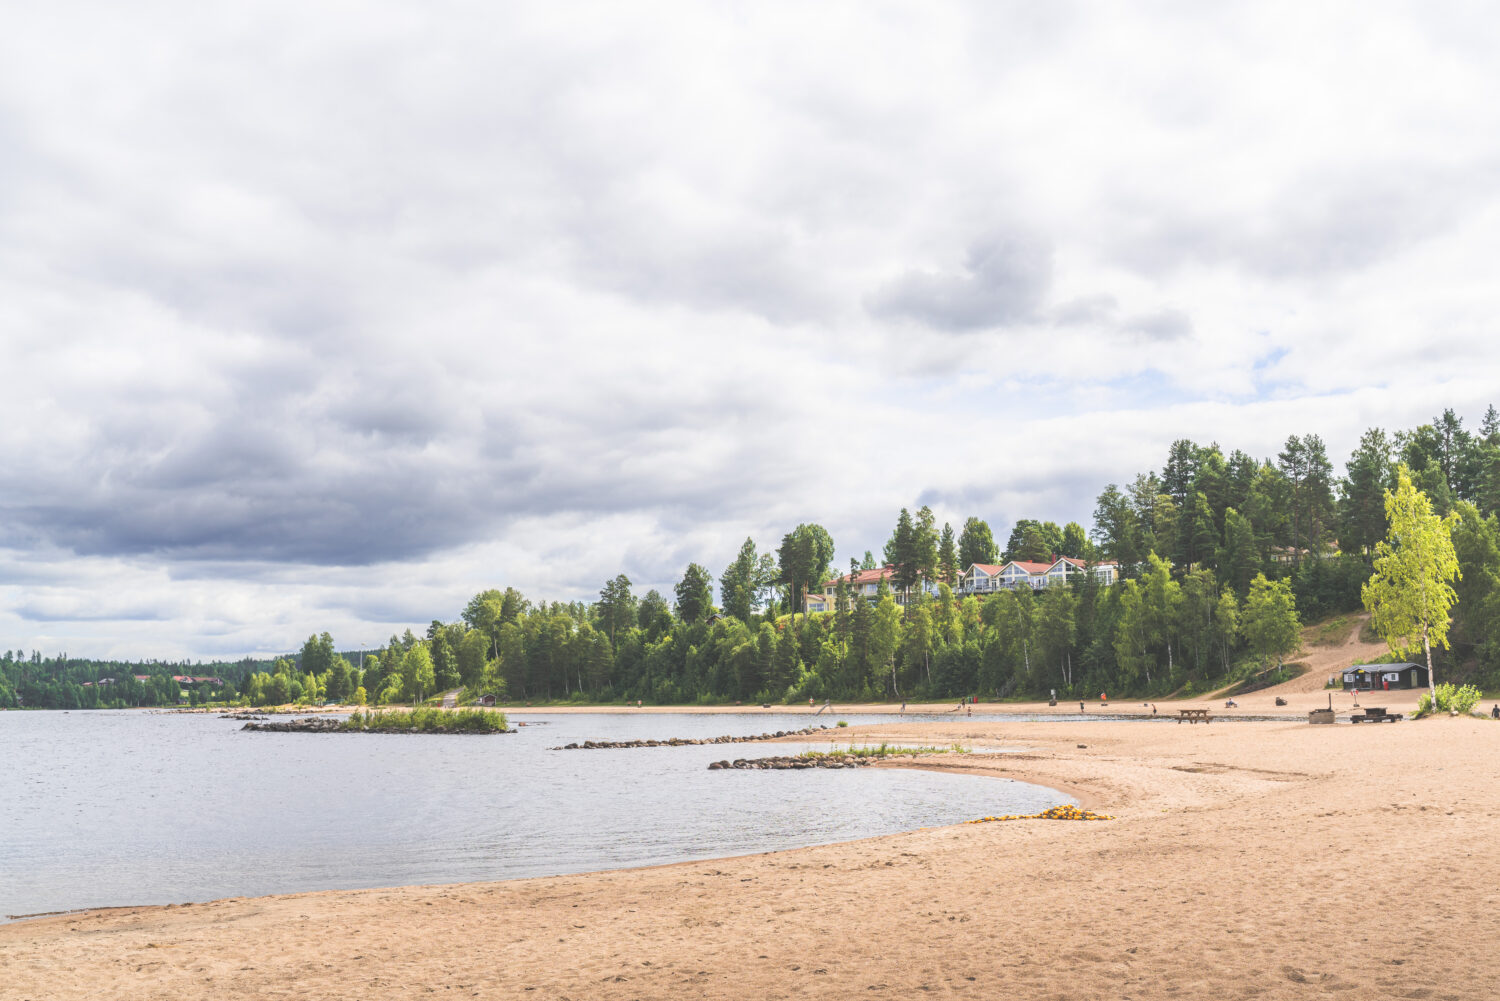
(1254, 859)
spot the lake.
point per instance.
(131, 807)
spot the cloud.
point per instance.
(1003, 280)
(328, 332)
(1162, 326)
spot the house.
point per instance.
(485, 700)
(865, 583)
(981, 578)
(985, 578)
(1367, 677)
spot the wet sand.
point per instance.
(1248, 859)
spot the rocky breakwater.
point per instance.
(596, 745)
(309, 725)
(798, 762)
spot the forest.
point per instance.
(1222, 558)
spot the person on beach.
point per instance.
(1495, 712)
(903, 709)
(1153, 709)
(1080, 708)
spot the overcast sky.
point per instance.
(327, 316)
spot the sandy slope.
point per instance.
(1275, 860)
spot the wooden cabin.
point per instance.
(1372, 677)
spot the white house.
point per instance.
(985, 578)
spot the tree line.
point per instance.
(1220, 559)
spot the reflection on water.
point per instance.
(106, 808)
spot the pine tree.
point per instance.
(947, 558)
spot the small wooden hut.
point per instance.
(1372, 677)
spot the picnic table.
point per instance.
(1376, 714)
(1194, 715)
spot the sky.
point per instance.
(328, 316)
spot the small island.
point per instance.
(423, 720)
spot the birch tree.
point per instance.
(1410, 593)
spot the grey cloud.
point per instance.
(388, 482)
(1090, 310)
(1331, 222)
(1162, 326)
(42, 610)
(1003, 280)
(647, 256)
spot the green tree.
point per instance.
(444, 663)
(317, 654)
(1269, 619)
(339, 687)
(417, 674)
(947, 558)
(1410, 593)
(616, 607)
(1163, 597)
(903, 553)
(471, 655)
(1476, 619)
(885, 635)
(804, 558)
(653, 614)
(1117, 530)
(1362, 493)
(926, 544)
(976, 545)
(1132, 633)
(1226, 624)
(1033, 541)
(695, 594)
(1055, 629)
(1075, 542)
(1239, 560)
(917, 635)
(743, 582)
(1181, 469)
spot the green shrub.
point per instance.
(427, 720)
(843, 722)
(1450, 698)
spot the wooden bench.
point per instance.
(1376, 714)
(1194, 715)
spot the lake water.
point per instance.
(129, 807)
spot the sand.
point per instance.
(1248, 859)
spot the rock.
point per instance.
(310, 725)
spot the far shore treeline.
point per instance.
(1221, 558)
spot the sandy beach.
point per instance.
(1271, 859)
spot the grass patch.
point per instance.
(1367, 633)
(427, 720)
(1331, 633)
(884, 750)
